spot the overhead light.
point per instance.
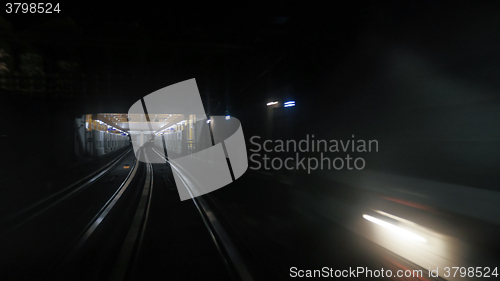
(272, 103)
(289, 103)
(208, 121)
(228, 117)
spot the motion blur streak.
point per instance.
(396, 230)
(438, 251)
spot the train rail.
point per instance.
(231, 256)
(24, 216)
(51, 236)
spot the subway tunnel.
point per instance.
(273, 142)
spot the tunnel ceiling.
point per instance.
(126, 55)
(256, 53)
(122, 120)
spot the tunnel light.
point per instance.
(395, 229)
(228, 117)
(289, 103)
(272, 103)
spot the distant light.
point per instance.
(208, 121)
(228, 117)
(289, 103)
(396, 229)
(272, 103)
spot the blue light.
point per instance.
(289, 103)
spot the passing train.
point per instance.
(102, 142)
(102, 138)
(175, 141)
(182, 138)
